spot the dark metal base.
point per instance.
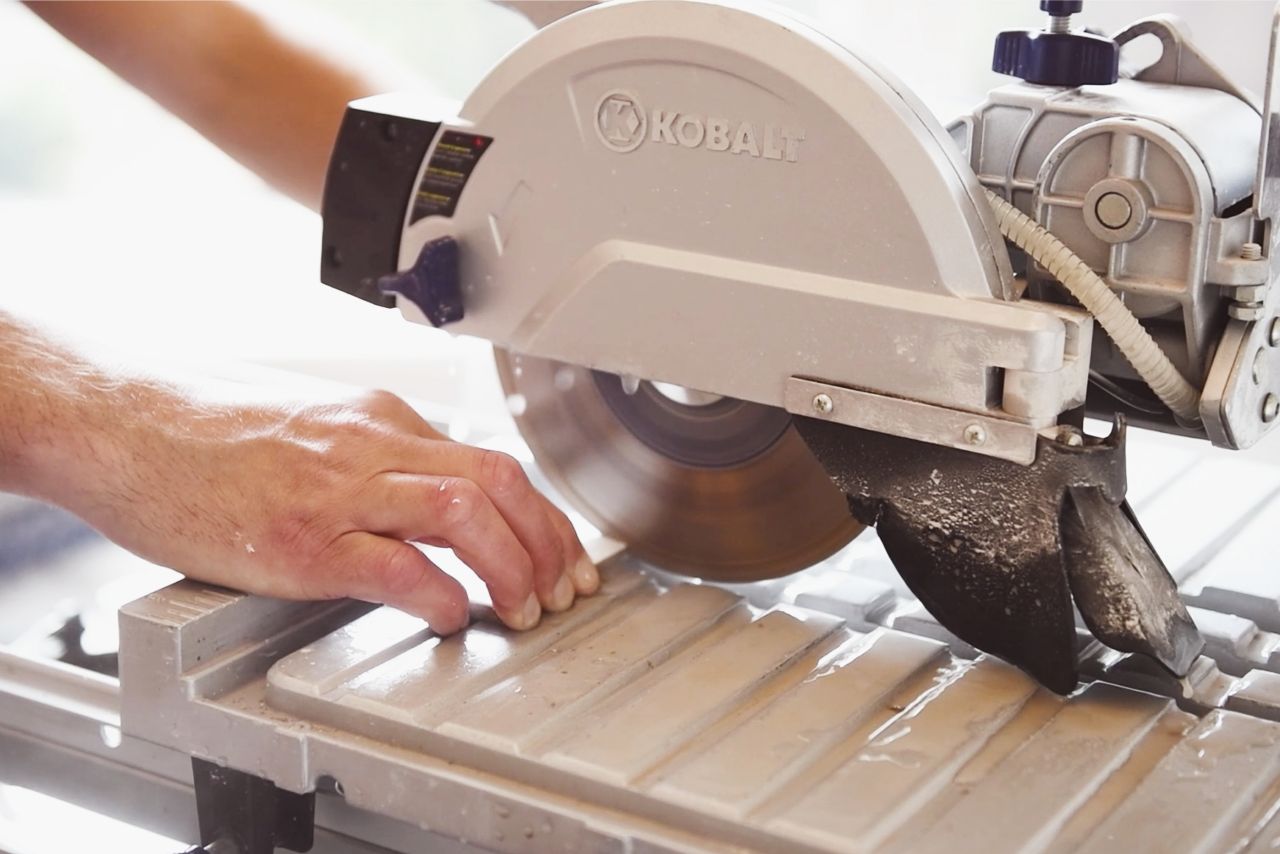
(243, 814)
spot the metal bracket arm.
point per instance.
(911, 419)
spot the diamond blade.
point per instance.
(697, 484)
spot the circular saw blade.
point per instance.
(711, 487)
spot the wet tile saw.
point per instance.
(753, 297)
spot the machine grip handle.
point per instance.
(375, 160)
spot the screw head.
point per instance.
(1270, 408)
(823, 403)
(1113, 210)
(975, 434)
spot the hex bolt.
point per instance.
(823, 403)
(1071, 437)
(1251, 252)
(1270, 408)
(1248, 312)
(974, 434)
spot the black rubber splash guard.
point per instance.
(996, 550)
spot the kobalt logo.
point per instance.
(620, 121)
(623, 124)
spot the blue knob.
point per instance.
(1057, 56)
(432, 283)
(1057, 59)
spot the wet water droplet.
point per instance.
(564, 379)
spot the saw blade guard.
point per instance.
(721, 198)
(618, 223)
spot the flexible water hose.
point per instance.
(1137, 345)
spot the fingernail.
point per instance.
(585, 575)
(530, 614)
(562, 595)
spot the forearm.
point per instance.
(43, 387)
(62, 414)
(271, 101)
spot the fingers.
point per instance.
(457, 513)
(502, 479)
(586, 578)
(377, 569)
(489, 504)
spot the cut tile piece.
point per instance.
(1169, 729)
(628, 741)
(356, 648)
(422, 680)
(1204, 688)
(1050, 776)
(1258, 694)
(1196, 797)
(1235, 643)
(516, 712)
(755, 760)
(908, 760)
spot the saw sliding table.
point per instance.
(821, 712)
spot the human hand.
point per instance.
(319, 501)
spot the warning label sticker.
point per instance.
(454, 158)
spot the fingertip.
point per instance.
(579, 568)
(562, 594)
(586, 576)
(435, 596)
(529, 615)
(454, 620)
(448, 610)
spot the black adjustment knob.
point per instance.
(1057, 55)
(1061, 8)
